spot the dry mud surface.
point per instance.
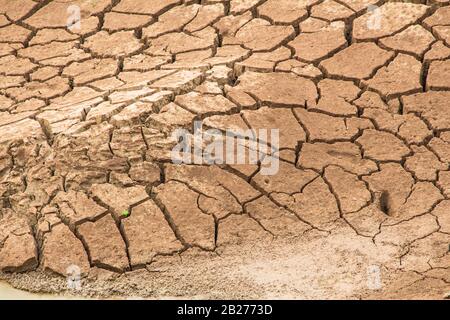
(359, 207)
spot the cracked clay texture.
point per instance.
(361, 99)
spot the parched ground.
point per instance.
(360, 206)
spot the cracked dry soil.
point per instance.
(86, 116)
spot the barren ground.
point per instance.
(358, 89)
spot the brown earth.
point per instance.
(360, 206)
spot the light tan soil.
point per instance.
(359, 90)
